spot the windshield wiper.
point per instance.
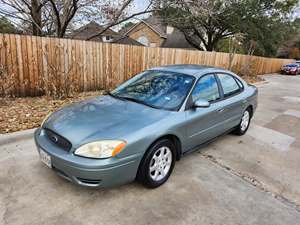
(115, 96)
(140, 102)
(130, 99)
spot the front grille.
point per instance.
(58, 140)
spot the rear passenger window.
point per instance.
(239, 83)
(229, 85)
(206, 88)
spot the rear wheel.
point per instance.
(157, 164)
(242, 128)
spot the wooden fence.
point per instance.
(33, 60)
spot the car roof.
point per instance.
(190, 69)
(292, 64)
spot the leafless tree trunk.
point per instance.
(36, 17)
(64, 12)
(28, 12)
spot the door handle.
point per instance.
(221, 110)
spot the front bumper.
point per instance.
(89, 172)
(288, 72)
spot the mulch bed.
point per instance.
(25, 113)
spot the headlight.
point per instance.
(101, 149)
(44, 120)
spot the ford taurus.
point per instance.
(139, 130)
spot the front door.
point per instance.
(204, 124)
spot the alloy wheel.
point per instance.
(160, 163)
(245, 120)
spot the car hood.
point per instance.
(103, 118)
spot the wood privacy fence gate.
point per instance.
(31, 61)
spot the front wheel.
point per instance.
(242, 128)
(157, 164)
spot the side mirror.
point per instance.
(201, 103)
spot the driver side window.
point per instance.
(206, 88)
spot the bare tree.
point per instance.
(55, 17)
(25, 12)
(63, 13)
(117, 16)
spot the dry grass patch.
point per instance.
(25, 113)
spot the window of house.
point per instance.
(107, 38)
(206, 88)
(143, 40)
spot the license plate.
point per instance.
(45, 158)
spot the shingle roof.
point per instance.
(176, 40)
(127, 41)
(84, 32)
(157, 24)
(152, 22)
(90, 29)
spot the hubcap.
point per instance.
(245, 121)
(160, 163)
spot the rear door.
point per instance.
(233, 102)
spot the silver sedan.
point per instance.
(139, 130)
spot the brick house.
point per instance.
(152, 32)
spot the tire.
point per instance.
(242, 128)
(155, 169)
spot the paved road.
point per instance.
(252, 179)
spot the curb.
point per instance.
(16, 136)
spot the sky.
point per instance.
(140, 5)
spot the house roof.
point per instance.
(90, 29)
(176, 39)
(154, 24)
(84, 32)
(157, 24)
(127, 41)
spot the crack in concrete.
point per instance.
(7, 199)
(253, 181)
(6, 212)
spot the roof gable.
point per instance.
(152, 27)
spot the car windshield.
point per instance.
(158, 89)
(292, 65)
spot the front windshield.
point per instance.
(158, 89)
(292, 65)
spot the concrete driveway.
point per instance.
(253, 179)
